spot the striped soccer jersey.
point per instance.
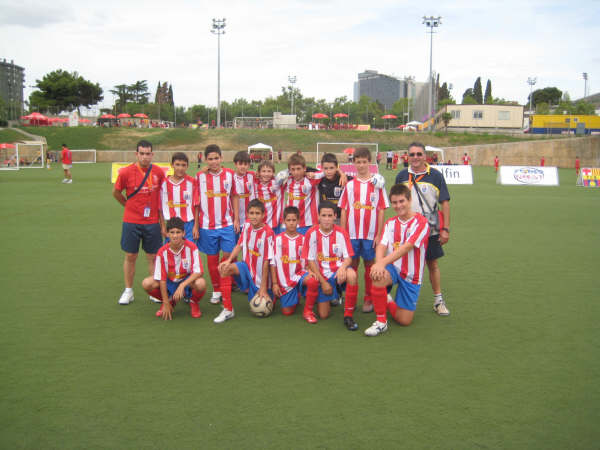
(328, 250)
(257, 247)
(176, 266)
(304, 195)
(271, 194)
(416, 231)
(179, 199)
(215, 205)
(361, 201)
(244, 187)
(288, 260)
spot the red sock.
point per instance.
(379, 302)
(155, 293)
(312, 292)
(289, 310)
(226, 291)
(213, 270)
(351, 294)
(368, 283)
(197, 295)
(392, 308)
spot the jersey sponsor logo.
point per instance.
(176, 276)
(298, 197)
(212, 194)
(270, 200)
(253, 252)
(244, 195)
(322, 257)
(359, 205)
(176, 205)
(285, 259)
(529, 175)
(397, 245)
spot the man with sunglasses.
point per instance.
(428, 189)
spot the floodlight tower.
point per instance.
(531, 82)
(431, 23)
(292, 80)
(585, 78)
(218, 26)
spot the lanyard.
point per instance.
(411, 182)
(149, 180)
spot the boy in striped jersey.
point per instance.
(244, 182)
(179, 196)
(177, 273)
(400, 258)
(256, 245)
(328, 253)
(217, 209)
(363, 208)
(288, 271)
(270, 192)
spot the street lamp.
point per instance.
(585, 78)
(292, 80)
(531, 82)
(218, 26)
(431, 23)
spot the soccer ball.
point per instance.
(261, 306)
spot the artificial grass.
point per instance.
(514, 366)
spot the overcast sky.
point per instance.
(323, 43)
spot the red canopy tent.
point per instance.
(349, 150)
(141, 115)
(107, 116)
(340, 115)
(320, 116)
(6, 145)
(123, 116)
(36, 118)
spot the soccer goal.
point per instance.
(83, 156)
(30, 155)
(8, 157)
(344, 151)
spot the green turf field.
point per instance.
(515, 366)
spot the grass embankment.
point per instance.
(10, 136)
(229, 139)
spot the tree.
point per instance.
(139, 91)
(549, 95)
(468, 100)
(443, 93)
(468, 93)
(542, 108)
(124, 95)
(488, 98)
(446, 118)
(61, 90)
(477, 93)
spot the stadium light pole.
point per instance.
(218, 26)
(531, 82)
(292, 80)
(431, 23)
(585, 78)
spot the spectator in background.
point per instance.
(67, 163)
(577, 165)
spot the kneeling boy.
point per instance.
(177, 272)
(256, 244)
(328, 253)
(399, 259)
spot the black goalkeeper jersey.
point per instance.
(332, 191)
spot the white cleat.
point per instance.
(126, 298)
(154, 299)
(441, 309)
(389, 298)
(216, 298)
(65, 180)
(69, 181)
(376, 329)
(224, 315)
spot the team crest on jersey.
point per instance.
(226, 185)
(249, 185)
(187, 196)
(373, 197)
(305, 189)
(259, 243)
(185, 264)
(337, 250)
(423, 188)
(337, 191)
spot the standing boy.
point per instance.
(496, 163)
(179, 196)
(67, 162)
(177, 273)
(256, 245)
(141, 182)
(214, 220)
(270, 192)
(400, 260)
(466, 159)
(328, 253)
(244, 182)
(330, 186)
(363, 210)
(302, 192)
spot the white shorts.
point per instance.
(67, 166)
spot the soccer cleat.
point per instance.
(441, 309)
(350, 324)
(224, 315)
(64, 180)
(216, 298)
(335, 302)
(154, 299)
(367, 306)
(126, 298)
(70, 180)
(195, 310)
(309, 316)
(376, 329)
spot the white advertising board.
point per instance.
(528, 175)
(456, 174)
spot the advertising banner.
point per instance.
(528, 175)
(114, 171)
(456, 174)
(589, 177)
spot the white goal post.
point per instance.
(83, 156)
(342, 150)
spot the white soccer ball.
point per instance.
(261, 306)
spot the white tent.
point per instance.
(440, 151)
(261, 149)
(414, 123)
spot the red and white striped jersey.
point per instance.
(176, 266)
(179, 199)
(304, 195)
(361, 201)
(415, 231)
(328, 250)
(288, 260)
(215, 205)
(271, 194)
(244, 187)
(257, 247)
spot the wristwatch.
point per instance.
(446, 229)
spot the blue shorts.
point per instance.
(172, 287)
(363, 248)
(212, 242)
(244, 280)
(290, 298)
(188, 231)
(337, 290)
(303, 230)
(407, 293)
(150, 236)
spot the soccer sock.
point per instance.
(226, 291)
(197, 295)
(155, 293)
(312, 292)
(392, 308)
(351, 294)
(368, 283)
(379, 303)
(437, 298)
(289, 311)
(213, 270)
(129, 290)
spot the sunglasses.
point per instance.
(415, 154)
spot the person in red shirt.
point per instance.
(577, 165)
(141, 218)
(543, 161)
(496, 163)
(466, 159)
(67, 163)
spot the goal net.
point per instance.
(344, 151)
(83, 156)
(30, 155)
(8, 158)
(252, 122)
